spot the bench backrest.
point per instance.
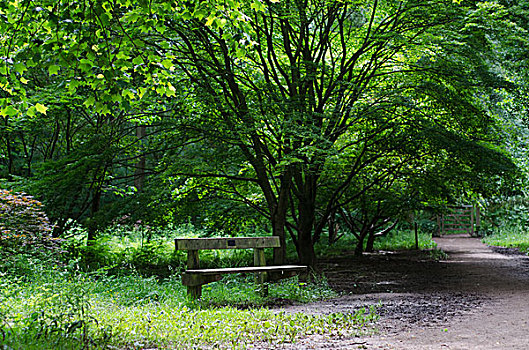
(226, 243)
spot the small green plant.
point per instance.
(55, 314)
(437, 254)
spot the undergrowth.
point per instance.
(67, 309)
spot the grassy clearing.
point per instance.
(123, 292)
(397, 240)
(404, 240)
(59, 308)
(510, 237)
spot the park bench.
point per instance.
(195, 277)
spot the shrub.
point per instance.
(24, 227)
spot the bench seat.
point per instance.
(249, 269)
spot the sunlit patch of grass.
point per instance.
(404, 240)
(243, 292)
(510, 237)
(181, 327)
(396, 240)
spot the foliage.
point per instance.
(505, 212)
(24, 227)
(293, 110)
(505, 222)
(54, 314)
(359, 111)
(123, 252)
(404, 240)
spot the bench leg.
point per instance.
(194, 283)
(260, 277)
(194, 288)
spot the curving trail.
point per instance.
(501, 322)
(478, 298)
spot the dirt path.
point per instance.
(478, 298)
(501, 281)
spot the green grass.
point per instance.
(129, 253)
(510, 237)
(397, 240)
(404, 240)
(58, 308)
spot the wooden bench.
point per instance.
(195, 277)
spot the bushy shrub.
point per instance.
(24, 227)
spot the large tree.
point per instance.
(277, 91)
(293, 85)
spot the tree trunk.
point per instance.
(333, 228)
(92, 225)
(370, 241)
(373, 235)
(278, 215)
(139, 174)
(361, 237)
(359, 249)
(305, 246)
(278, 229)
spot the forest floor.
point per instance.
(477, 298)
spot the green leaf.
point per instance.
(20, 68)
(86, 61)
(54, 69)
(122, 56)
(127, 93)
(89, 101)
(31, 111)
(116, 98)
(170, 91)
(137, 60)
(23, 80)
(210, 21)
(167, 63)
(141, 92)
(9, 111)
(72, 86)
(160, 89)
(41, 108)
(257, 6)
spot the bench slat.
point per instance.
(226, 243)
(279, 268)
